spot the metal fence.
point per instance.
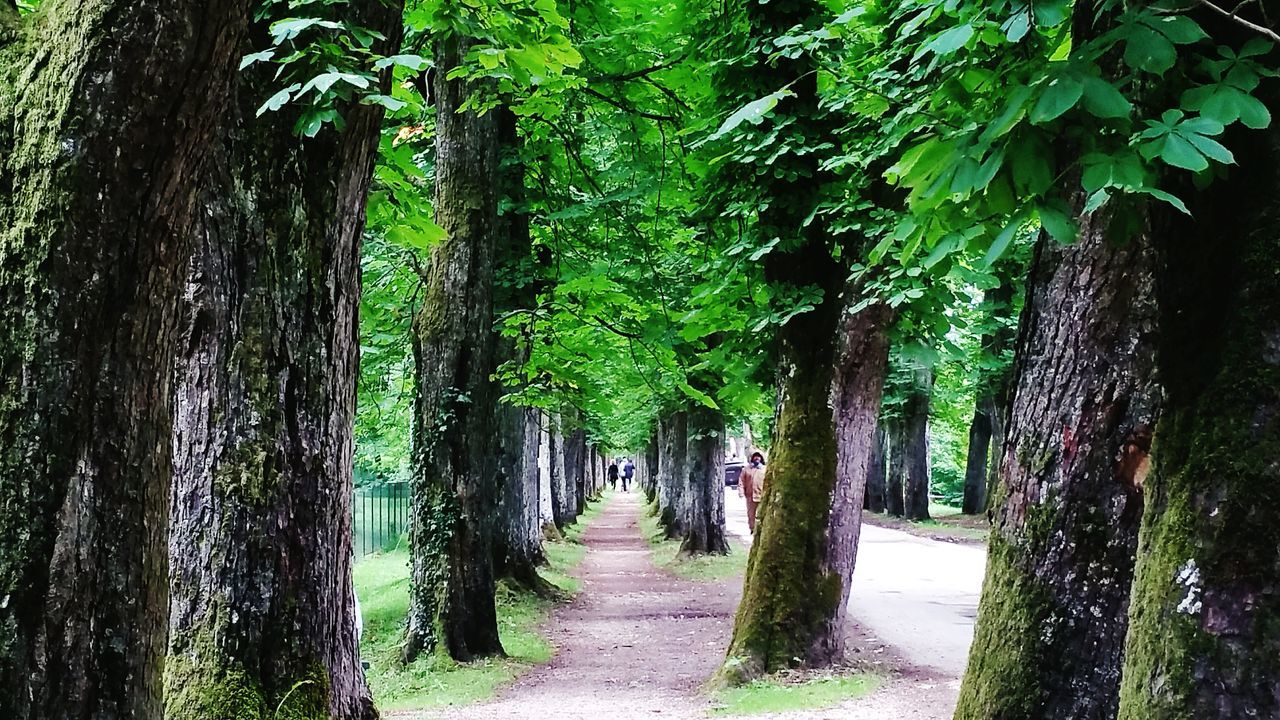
(380, 517)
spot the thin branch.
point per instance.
(626, 108)
(635, 74)
(1231, 15)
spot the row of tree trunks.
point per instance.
(1053, 613)
(109, 119)
(877, 473)
(986, 430)
(260, 536)
(914, 447)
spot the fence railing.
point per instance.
(379, 517)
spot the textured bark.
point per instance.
(262, 614)
(575, 467)
(704, 523)
(108, 117)
(648, 471)
(673, 456)
(896, 442)
(976, 463)
(877, 472)
(915, 448)
(1205, 614)
(546, 508)
(862, 359)
(557, 479)
(454, 493)
(1052, 618)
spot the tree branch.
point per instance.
(637, 73)
(626, 108)
(1231, 15)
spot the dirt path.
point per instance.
(638, 642)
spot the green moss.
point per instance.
(1001, 680)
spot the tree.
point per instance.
(986, 430)
(262, 613)
(454, 493)
(1203, 639)
(673, 458)
(704, 531)
(98, 182)
(915, 447)
(876, 472)
(897, 442)
(1053, 610)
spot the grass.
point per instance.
(776, 695)
(706, 568)
(433, 681)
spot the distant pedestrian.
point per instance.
(613, 476)
(751, 487)
(628, 472)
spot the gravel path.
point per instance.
(638, 642)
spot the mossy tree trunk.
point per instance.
(673, 456)
(896, 442)
(517, 550)
(915, 447)
(1052, 618)
(704, 531)
(108, 121)
(1204, 640)
(861, 362)
(262, 614)
(977, 463)
(575, 466)
(876, 473)
(454, 488)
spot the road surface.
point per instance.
(918, 596)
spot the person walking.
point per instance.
(613, 476)
(628, 472)
(751, 487)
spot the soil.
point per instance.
(639, 642)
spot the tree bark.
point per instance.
(1052, 618)
(990, 404)
(648, 471)
(877, 472)
(704, 531)
(546, 464)
(262, 612)
(915, 449)
(454, 494)
(896, 468)
(108, 117)
(558, 471)
(673, 436)
(976, 463)
(862, 359)
(575, 465)
(1204, 640)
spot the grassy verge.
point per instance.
(946, 523)
(780, 695)
(382, 584)
(707, 568)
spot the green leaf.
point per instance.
(417, 63)
(948, 41)
(1001, 242)
(1211, 148)
(1061, 95)
(1018, 25)
(277, 101)
(1179, 152)
(1168, 198)
(1056, 219)
(753, 112)
(263, 56)
(1103, 100)
(1180, 29)
(1148, 50)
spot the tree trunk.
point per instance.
(558, 471)
(649, 471)
(1205, 635)
(915, 449)
(546, 463)
(897, 467)
(1052, 618)
(976, 465)
(862, 360)
(452, 589)
(673, 433)
(877, 472)
(575, 465)
(704, 529)
(262, 613)
(108, 119)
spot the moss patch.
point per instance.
(776, 694)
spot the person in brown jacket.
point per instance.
(751, 487)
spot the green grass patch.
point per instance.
(706, 568)
(382, 584)
(775, 695)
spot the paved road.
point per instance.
(917, 595)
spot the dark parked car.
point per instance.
(732, 469)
